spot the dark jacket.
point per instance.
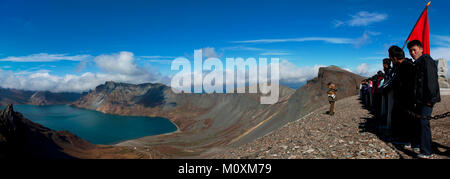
(426, 81)
(389, 78)
(403, 85)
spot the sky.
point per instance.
(75, 45)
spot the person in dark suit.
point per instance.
(427, 94)
(403, 86)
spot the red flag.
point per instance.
(421, 31)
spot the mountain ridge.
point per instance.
(17, 96)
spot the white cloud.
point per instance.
(362, 18)
(117, 67)
(45, 57)
(121, 63)
(289, 73)
(363, 69)
(367, 70)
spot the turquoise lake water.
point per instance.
(96, 127)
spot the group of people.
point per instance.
(404, 88)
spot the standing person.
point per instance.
(384, 91)
(427, 94)
(365, 88)
(360, 90)
(370, 82)
(377, 93)
(403, 87)
(332, 97)
(388, 89)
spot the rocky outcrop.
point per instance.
(442, 73)
(15, 96)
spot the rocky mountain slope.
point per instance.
(351, 133)
(308, 98)
(208, 122)
(15, 96)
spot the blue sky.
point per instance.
(60, 41)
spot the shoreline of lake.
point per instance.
(97, 127)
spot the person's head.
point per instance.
(380, 73)
(386, 63)
(396, 54)
(331, 85)
(415, 48)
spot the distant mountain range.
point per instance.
(206, 122)
(14, 96)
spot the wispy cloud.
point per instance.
(357, 42)
(441, 48)
(373, 58)
(276, 53)
(362, 18)
(261, 50)
(45, 57)
(324, 39)
(441, 52)
(365, 38)
(210, 52)
(207, 52)
(160, 61)
(441, 40)
(157, 57)
(243, 48)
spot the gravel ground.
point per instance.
(351, 134)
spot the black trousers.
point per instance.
(424, 133)
(404, 127)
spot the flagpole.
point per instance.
(428, 4)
